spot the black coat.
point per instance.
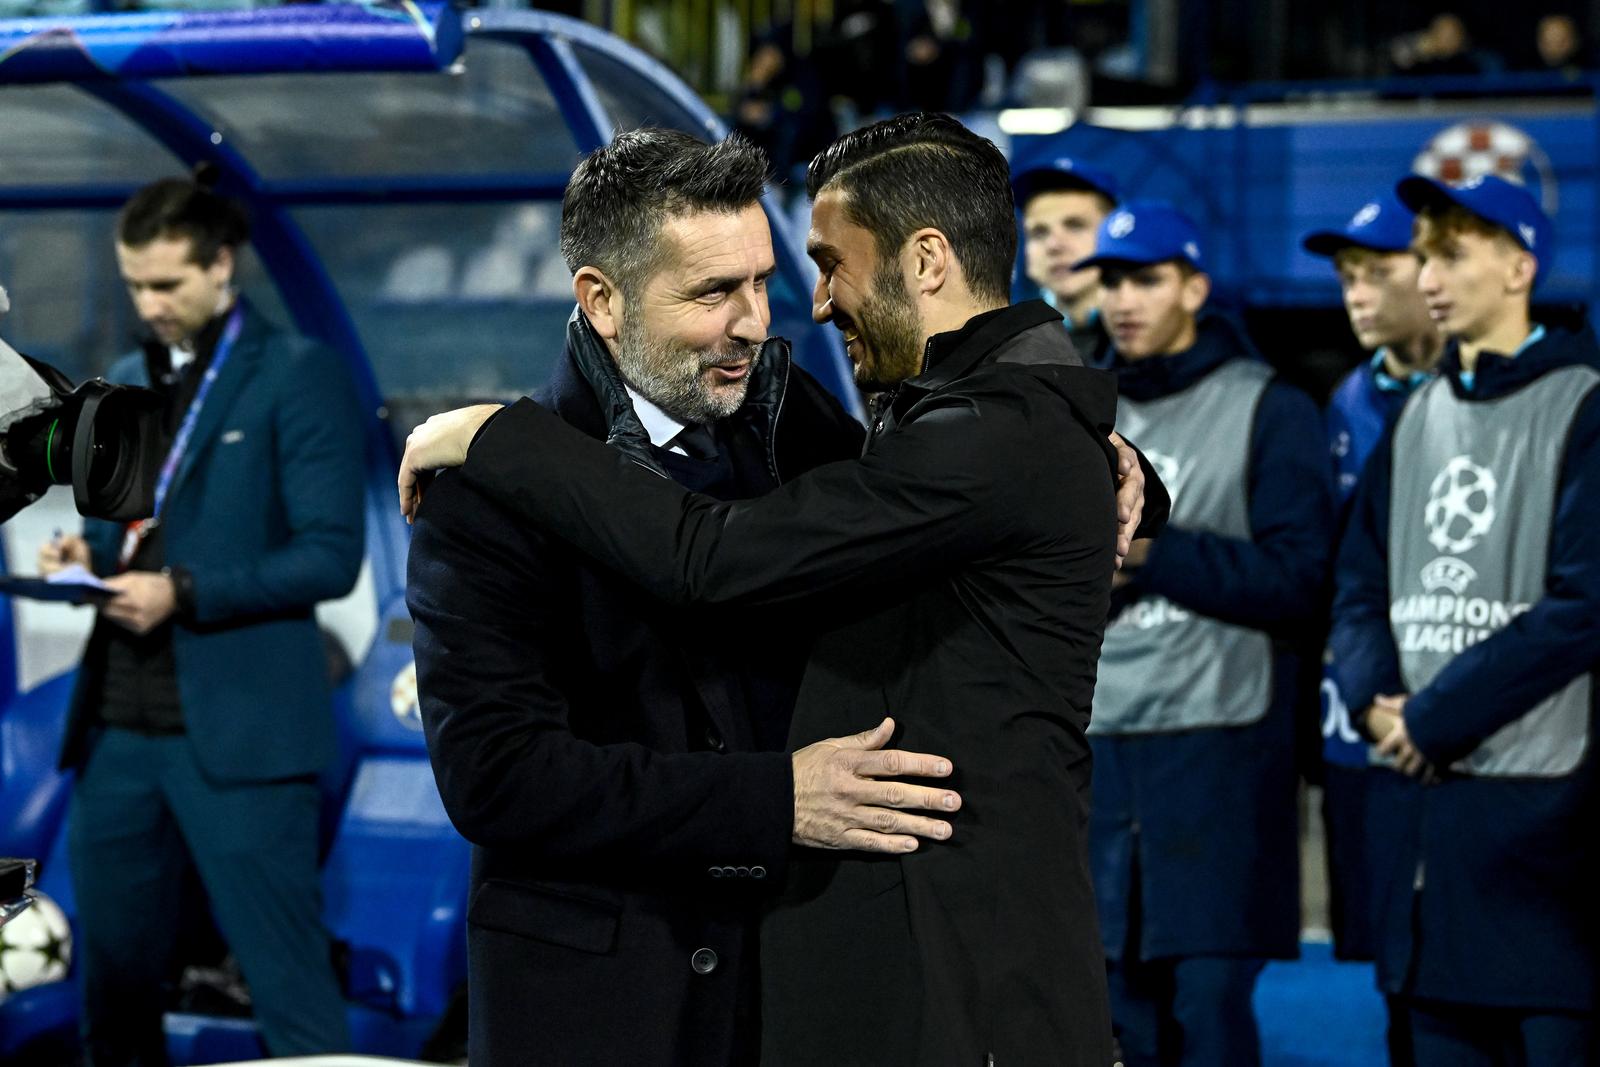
(601, 751)
(965, 562)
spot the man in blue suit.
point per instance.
(201, 715)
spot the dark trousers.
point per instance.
(1193, 1011)
(142, 811)
(1352, 886)
(1468, 1035)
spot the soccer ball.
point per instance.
(1460, 505)
(403, 697)
(35, 947)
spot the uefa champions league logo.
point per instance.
(1460, 507)
(1445, 619)
(1121, 225)
(1366, 216)
(1450, 573)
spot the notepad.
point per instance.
(74, 584)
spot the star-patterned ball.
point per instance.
(35, 948)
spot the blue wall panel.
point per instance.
(1257, 189)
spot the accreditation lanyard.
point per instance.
(137, 531)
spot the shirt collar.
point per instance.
(1534, 337)
(1072, 324)
(661, 426)
(1469, 379)
(947, 356)
(1387, 382)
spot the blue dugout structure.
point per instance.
(1260, 166)
(403, 164)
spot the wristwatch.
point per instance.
(182, 589)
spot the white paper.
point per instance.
(76, 574)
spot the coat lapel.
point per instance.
(231, 381)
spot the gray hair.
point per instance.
(620, 194)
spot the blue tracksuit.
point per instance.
(1361, 409)
(1486, 885)
(1205, 819)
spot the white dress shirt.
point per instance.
(661, 426)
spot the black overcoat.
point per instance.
(604, 755)
(965, 564)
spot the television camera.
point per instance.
(106, 441)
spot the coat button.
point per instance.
(714, 740)
(704, 961)
(742, 872)
(758, 871)
(715, 872)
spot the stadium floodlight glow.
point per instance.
(1036, 120)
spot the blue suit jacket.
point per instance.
(266, 511)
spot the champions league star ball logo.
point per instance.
(1460, 507)
(1121, 225)
(1468, 151)
(35, 948)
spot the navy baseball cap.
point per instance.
(1499, 202)
(1381, 225)
(1065, 173)
(1142, 232)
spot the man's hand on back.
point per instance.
(442, 441)
(841, 801)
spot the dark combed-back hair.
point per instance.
(919, 170)
(182, 207)
(619, 196)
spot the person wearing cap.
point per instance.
(1466, 626)
(1193, 829)
(1063, 201)
(1378, 279)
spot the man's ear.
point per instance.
(929, 258)
(223, 264)
(599, 301)
(1196, 290)
(1520, 272)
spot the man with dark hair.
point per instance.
(1378, 279)
(1063, 200)
(1193, 835)
(617, 762)
(202, 715)
(957, 576)
(1466, 629)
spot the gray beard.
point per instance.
(672, 376)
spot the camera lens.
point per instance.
(41, 448)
